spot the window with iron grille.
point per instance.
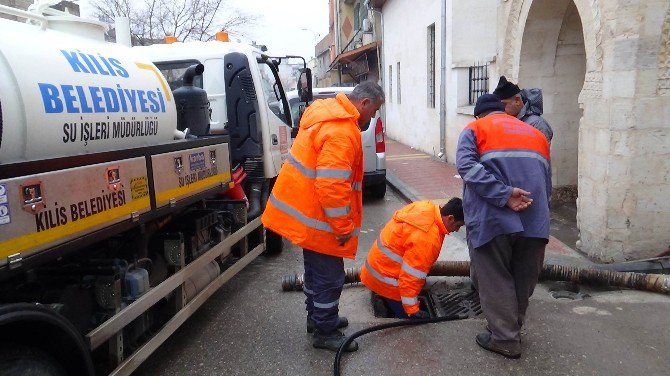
(398, 73)
(478, 81)
(431, 66)
(390, 83)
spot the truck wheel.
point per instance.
(273, 243)
(18, 360)
(377, 191)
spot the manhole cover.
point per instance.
(464, 302)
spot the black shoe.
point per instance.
(508, 349)
(342, 322)
(332, 341)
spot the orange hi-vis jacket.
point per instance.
(318, 194)
(404, 252)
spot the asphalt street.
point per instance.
(251, 327)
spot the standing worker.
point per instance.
(404, 252)
(317, 204)
(525, 105)
(507, 182)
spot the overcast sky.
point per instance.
(280, 24)
(282, 21)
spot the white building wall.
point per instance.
(411, 122)
(472, 38)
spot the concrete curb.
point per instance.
(408, 193)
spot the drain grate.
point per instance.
(463, 302)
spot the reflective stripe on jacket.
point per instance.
(495, 154)
(318, 195)
(401, 257)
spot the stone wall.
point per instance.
(624, 138)
(604, 67)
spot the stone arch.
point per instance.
(664, 57)
(589, 12)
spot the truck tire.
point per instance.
(274, 243)
(19, 360)
(377, 191)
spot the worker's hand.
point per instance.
(342, 239)
(519, 200)
(419, 315)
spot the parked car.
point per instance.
(372, 137)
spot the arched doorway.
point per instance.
(553, 58)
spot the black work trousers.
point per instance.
(324, 279)
(505, 272)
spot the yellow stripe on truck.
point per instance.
(37, 239)
(210, 182)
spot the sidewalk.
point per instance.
(419, 176)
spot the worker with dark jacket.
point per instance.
(316, 202)
(525, 105)
(506, 172)
(405, 250)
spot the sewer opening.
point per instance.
(454, 301)
(562, 290)
(462, 302)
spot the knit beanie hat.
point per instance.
(488, 103)
(506, 89)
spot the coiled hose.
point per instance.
(340, 351)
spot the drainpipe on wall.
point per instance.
(443, 81)
(380, 56)
(337, 26)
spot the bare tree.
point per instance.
(152, 20)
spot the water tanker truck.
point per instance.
(129, 191)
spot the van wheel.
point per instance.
(273, 243)
(377, 191)
(19, 360)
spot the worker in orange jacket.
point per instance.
(406, 249)
(317, 204)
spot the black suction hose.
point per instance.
(338, 356)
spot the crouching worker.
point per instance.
(404, 252)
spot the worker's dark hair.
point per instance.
(453, 207)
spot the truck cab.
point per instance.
(247, 100)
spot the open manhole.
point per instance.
(463, 302)
(564, 290)
(458, 301)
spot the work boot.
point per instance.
(508, 349)
(332, 341)
(342, 322)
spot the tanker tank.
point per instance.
(64, 91)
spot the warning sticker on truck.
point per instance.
(139, 187)
(4, 206)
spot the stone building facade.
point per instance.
(604, 68)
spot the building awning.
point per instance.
(349, 56)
